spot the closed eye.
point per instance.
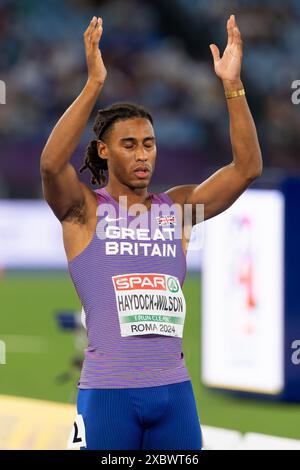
(148, 146)
(130, 142)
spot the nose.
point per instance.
(141, 154)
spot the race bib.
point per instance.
(77, 437)
(149, 303)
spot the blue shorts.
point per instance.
(151, 418)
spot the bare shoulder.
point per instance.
(179, 194)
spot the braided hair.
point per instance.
(103, 123)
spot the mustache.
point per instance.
(143, 168)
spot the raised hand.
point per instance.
(96, 68)
(228, 67)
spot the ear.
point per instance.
(102, 149)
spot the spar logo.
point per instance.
(139, 281)
(172, 284)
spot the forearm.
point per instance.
(66, 134)
(245, 146)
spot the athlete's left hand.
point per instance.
(228, 67)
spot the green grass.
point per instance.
(27, 308)
(28, 303)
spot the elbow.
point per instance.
(257, 168)
(47, 167)
(255, 173)
(250, 168)
(252, 172)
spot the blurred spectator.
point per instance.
(42, 62)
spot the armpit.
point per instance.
(76, 214)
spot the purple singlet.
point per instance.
(129, 283)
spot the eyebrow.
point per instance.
(133, 139)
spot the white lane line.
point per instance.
(24, 343)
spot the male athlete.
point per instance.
(135, 391)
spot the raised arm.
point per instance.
(224, 187)
(62, 189)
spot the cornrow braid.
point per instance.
(103, 123)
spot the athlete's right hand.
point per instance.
(96, 68)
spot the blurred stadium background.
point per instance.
(157, 54)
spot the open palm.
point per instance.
(95, 64)
(228, 67)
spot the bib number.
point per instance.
(149, 304)
(77, 437)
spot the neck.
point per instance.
(134, 195)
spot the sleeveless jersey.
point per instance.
(134, 329)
